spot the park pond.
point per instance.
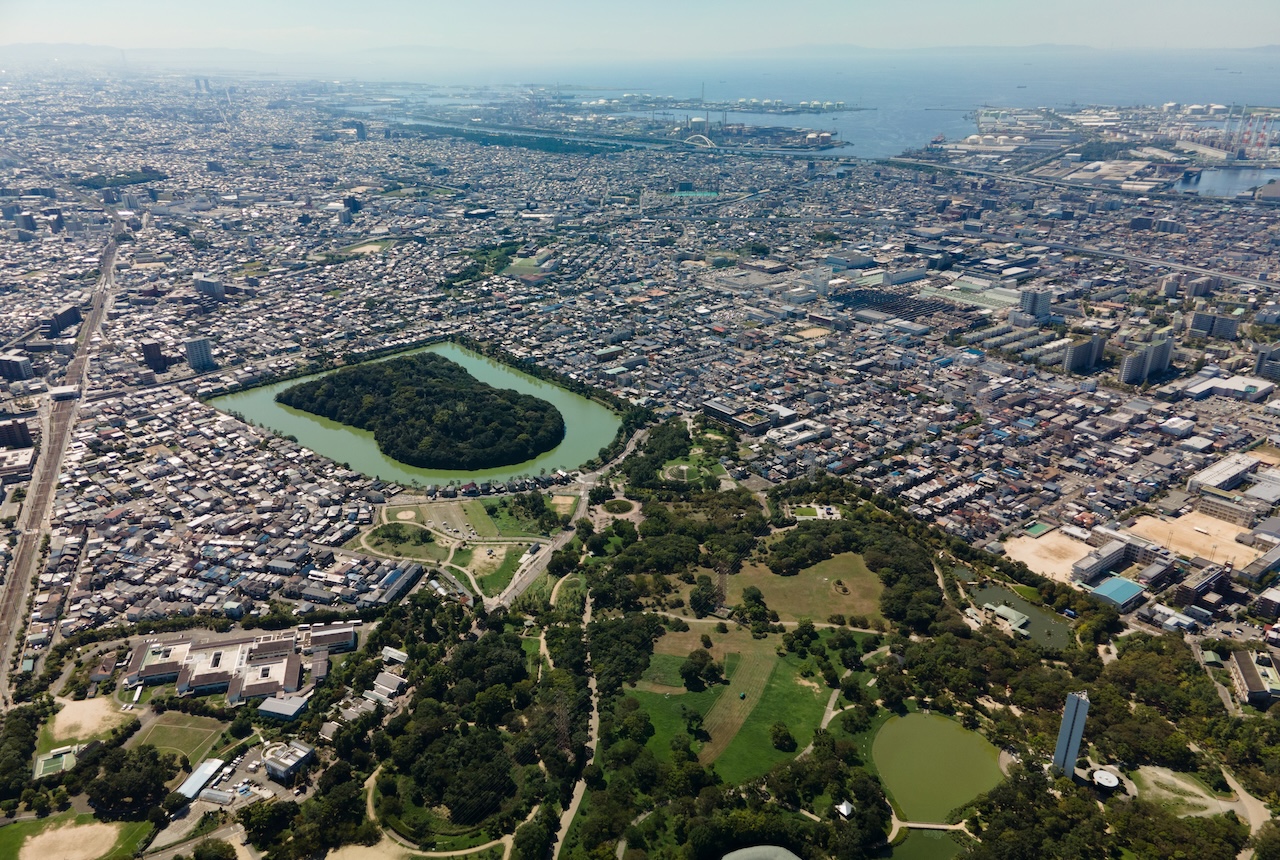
(1044, 626)
(589, 426)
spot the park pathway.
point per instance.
(593, 736)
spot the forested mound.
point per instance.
(427, 411)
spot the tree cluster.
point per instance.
(427, 411)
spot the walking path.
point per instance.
(593, 735)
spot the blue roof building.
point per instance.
(1124, 594)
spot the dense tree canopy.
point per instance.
(427, 411)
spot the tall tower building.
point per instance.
(152, 356)
(199, 353)
(1068, 748)
(1035, 302)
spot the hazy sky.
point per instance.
(591, 30)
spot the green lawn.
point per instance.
(927, 845)
(805, 511)
(664, 708)
(413, 542)
(506, 524)
(910, 752)
(1027, 592)
(187, 735)
(480, 519)
(787, 700)
(493, 583)
(463, 557)
(128, 838)
(813, 593)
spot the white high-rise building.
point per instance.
(199, 353)
(1068, 748)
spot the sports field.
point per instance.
(1050, 555)
(183, 734)
(71, 836)
(813, 593)
(913, 755)
(1198, 534)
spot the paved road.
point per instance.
(36, 507)
(526, 575)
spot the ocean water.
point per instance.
(911, 96)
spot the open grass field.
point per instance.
(787, 698)
(812, 593)
(912, 751)
(406, 541)
(479, 520)
(182, 733)
(405, 513)
(495, 573)
(505, 524)
(71, 836)
(1179, 793)
(927, 845)
(738, 739)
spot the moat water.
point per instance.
(588, 425)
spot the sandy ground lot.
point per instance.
(564, 504)
(406, 515)
(86, 718)
(70, 842)
(1268, 454)
(384, 850)
(813, 332)
(1181, 536)
(1050, 555)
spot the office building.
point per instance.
(16, 366)
(199, 353)
(1068, 748)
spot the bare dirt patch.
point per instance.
(384, 850)
(83, 719)
(71, 842)
(564, 505)
(1050, 555)
(406, 515)
(1215, 540)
